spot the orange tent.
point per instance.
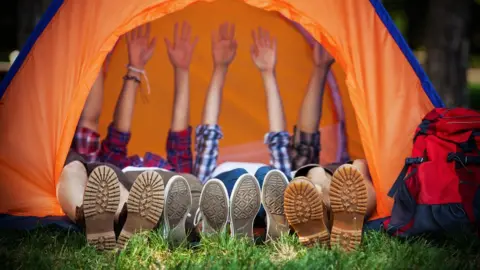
(377, 90)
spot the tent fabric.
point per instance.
(248, 138)
(385, 93)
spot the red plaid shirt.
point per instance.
(113, 150)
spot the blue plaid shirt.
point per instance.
(207, 140)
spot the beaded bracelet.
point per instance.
(144, 73)
(131, 78)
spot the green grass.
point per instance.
(49, 249)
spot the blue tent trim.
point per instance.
(9, 222)
(42, 24)
(397, 36)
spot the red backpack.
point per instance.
(438, 190)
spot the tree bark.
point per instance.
(447, 49)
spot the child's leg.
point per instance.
(362, 166)
(71, 184)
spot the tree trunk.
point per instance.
(447, 49)
(29, 13)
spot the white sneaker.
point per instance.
(244, 205)
(273, 190)
(213, 209)
(178, 202)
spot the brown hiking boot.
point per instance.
(348, 197)
(100, 203)
(144, 205)
(304, 210)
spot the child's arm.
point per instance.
(114, 146)
(93, 106)
(208, 134)
(263, 53)
(311, 109)
(180, 51)
(306, 134)
(140, 50)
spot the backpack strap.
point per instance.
(471, 144)
(463, 159)
(403, 174)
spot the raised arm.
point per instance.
(140, 50)
(264, 55)
(93, 106)
(208, 134)
(180, 54)
(304, 146)
(224, 48)
(180, 51)
(263, 51)
(311, 109)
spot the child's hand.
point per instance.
(140, 48)
(180, 52)
(321, 57)
(224, 45)
(264, 50)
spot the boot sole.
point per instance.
(348, 197)
(178, 204)
(304, 211)
(100, 203)
(244, 206)
(144, 205)
(214, 206)
(273, 192)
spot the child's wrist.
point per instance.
(267, 72)
(181, 70)
(220, 69)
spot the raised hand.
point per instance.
(264, 50)
(181, 50)
(321, 57)
(224, 45)
(140, 47)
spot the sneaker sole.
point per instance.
(273, 192)
(144, 205)
(178, 203)
(100, 203)
(214, 206)
(244, 205)
(348, 197)
(304, 211)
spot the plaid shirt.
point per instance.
(304, 148)
(113, 150)
(277, 143)
(207, 141)
(207, 138)
(86, 143)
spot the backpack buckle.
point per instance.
(414, 160)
